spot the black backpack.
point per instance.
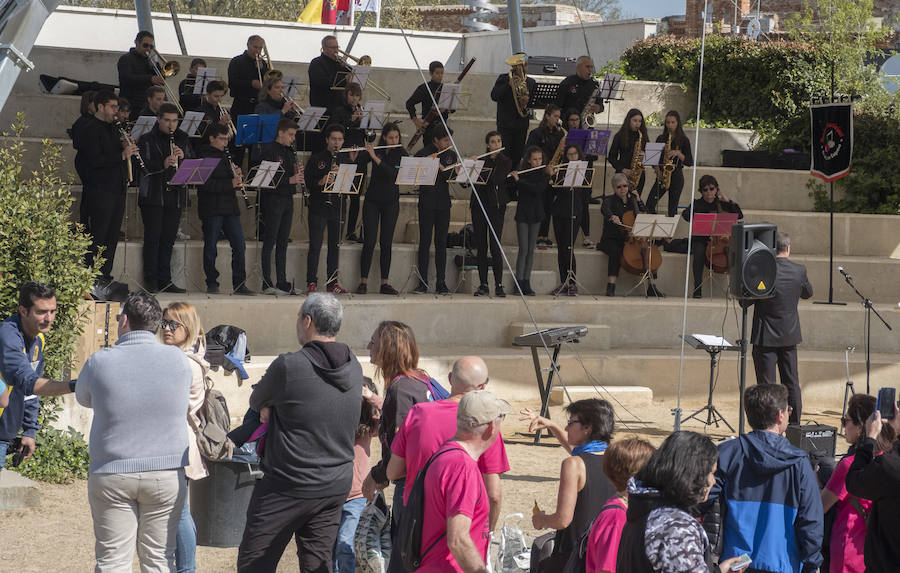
(408, 538)
(577, 562)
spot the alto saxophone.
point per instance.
(668, 167)
(637, 163)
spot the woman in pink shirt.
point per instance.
(848, 534)
(623, 459)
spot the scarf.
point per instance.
(591, 447)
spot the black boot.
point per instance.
(698, 292)
(526, 288)
(610, 289)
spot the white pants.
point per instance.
(142, 508)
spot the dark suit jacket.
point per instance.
(775, 320)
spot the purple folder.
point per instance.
(194, 171)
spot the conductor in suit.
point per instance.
(776, 326)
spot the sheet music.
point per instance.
(473, 167)
(373, 115)
(648, 225)
(611, 86)
(265, 174)
(291, 86)
(711, 340)
(418, 170)
(142, 125)
(204, 76)
(310, 118)
(653, 153)
(449, 97)
(191, 122)
(361, 75)
(597, 142)
(342, 181)
(575, 172)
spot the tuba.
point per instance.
(637, 163)
(668, 167)
(518, 82)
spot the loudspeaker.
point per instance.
(813, 438)
(751, 260)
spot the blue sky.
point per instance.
(652, 8)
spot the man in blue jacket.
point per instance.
(22, 366)
(772, 506)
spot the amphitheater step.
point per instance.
(598, 336)
(633, 397)
(542, 282)
(17, 491)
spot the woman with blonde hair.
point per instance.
(181, 327)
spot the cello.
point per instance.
(639, 255)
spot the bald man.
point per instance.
(575, 91)
(430, 424)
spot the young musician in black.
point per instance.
(156, 96)
(325, 209)
(573, 121)
(421, 96)
(348, 114)
(567, 210)
(105, 152)
(530, 188)
(576, 90)
(434, 213)
(136, 73)
(711, 200)
(680, 155)
(494, 197)
(271, 99)
(323, 71)
(162, 149)
(245, 75)
(211, 106)
(217, 208)
(615, 234)
(550, 137)
(276, 206)
(622, 149)
(381, 207)
(186, 97)
(512, 126)
(76, 133)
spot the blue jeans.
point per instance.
(186, 540)
(4, 446)
(344, 558)
(231, 226)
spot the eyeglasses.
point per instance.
(170, 325)
(709, 188)
(572, 421)
(146, 45)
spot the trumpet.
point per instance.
(232, 130)
(287, 96)
(362, 61)
(166, 69)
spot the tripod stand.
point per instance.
(713, 416)
(848, 386)
(870, 308)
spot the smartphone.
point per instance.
(17, 455)
(885, 402)
(741, 563)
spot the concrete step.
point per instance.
(17, 491)
(598, 336)
(542, 282)
(634, 397)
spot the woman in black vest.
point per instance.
(494, 197)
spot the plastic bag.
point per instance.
(514, 554)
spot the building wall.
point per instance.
(449, 18)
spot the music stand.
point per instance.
(291, 86)
(142, 125)
(193, 172)
(264, 175)
(204, 76)
(192, 122)
(256, 128)
(311, 119)
(612, 88)
(451, 98)
(651, 227)
(471, 169)
(418, 171)
(713, 345)
(373, 115)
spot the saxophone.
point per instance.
(518, 82)
(668, 167)
(557, 155)
(587, 118)
(637, 163)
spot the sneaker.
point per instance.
(285, 286)
(274, 291)
(442, 289)
(363, 288)
(422, 288)
(244, 291)
(499, 292)
(587, 244)
(482, 291)
(172, 288)
(182, 236)
(572, 290)
(698, 293)
(388, 289)
(560, 290)
(526, 288)
(653, 291)
(311, 288)
(335, 288)
(212, 289)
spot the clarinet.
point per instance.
(127, 137)
(242, 187)
(172, 148)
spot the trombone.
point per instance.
(168, 70)
(361, 61)
(264, 53)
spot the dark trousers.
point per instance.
(586, 213)
(160, 228)
(352, 214)
(766, 358)
(675, 188)
(483, 236)
(231, 226)
(548, 196)
(379, 221)
(277, 212)
(514, 142)
(566, 229)
(395, 563)
(613, 250)
(104, 212)
(273, 518)
(434, 222)
(318, 222)
(698, 260)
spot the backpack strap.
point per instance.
(855, 504)
(423, 471)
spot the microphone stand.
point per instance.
(870, 308)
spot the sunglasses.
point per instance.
(170, 325)
(146, 45)
(572, 421)
(709, 188)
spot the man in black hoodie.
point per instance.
(314, 396)
(136, 73)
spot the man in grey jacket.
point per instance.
(314, 398)
(138, 390)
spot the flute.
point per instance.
(242, 186)
(482, 156)
(349, 149)
(527, 170)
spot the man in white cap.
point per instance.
(455, 531)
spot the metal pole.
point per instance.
(144, 20)
(743, 375)
(514, 12)
(177, 24)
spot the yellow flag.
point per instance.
(312, 14)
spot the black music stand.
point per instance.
(713, 416)
(552, 338)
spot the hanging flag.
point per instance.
(832, 140)
(329, 12)
(312, 13)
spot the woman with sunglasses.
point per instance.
(583, 487)
(181, 327)
(848, 533)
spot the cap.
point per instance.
(480, 407)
